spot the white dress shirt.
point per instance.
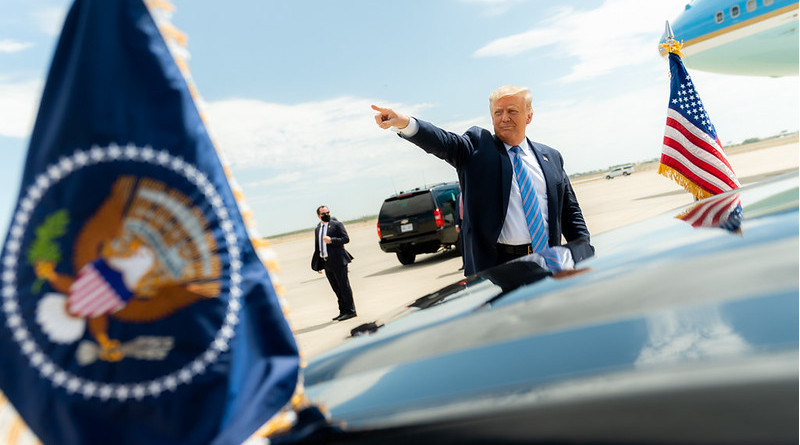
(323, 247)
(515, 227)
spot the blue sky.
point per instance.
(287, 88)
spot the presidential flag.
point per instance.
(134, 307)
(692, 154)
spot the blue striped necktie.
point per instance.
(530, 205)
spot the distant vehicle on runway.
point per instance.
(746, 37)
(679, 330)
(422, 220)
(620, 170)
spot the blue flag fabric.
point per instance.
(134, 307)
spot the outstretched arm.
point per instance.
(443, 144)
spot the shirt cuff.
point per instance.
(411, 129)
(554, 259)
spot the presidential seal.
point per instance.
(150, 261)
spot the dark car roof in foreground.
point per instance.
(674, 334)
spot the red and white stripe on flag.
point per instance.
(91, 295)
(712, 213)
(695, 160)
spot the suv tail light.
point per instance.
(437, 216)
(379, 230)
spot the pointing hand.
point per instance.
(386, 117)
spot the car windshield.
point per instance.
(408, 205)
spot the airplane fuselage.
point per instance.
(746, 37)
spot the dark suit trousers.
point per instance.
(340, 283)
(504, 257)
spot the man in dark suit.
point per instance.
(330, 255)
(495, 228)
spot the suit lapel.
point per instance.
(316, 238)
(332, 228)
(506, 172)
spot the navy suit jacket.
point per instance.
(485, 174)
(338, 256)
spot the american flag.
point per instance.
(692, 155)
(724, 211)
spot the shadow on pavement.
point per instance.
(422, 261)
(456, 273)
(313, 328)
(319, 277)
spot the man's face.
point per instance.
(510, 116)
(323, 211)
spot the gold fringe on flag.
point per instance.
(683, 181)
(671, 46)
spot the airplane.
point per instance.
(744, 37)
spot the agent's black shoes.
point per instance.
(343, 317)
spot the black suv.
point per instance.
(422, 220)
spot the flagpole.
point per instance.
(668, 31)
(670, 45)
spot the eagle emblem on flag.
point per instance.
(144, 254)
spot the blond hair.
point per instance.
(511, 90)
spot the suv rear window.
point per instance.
(406, 205)
(444, 196)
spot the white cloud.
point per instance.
(616, 34)
(19, 105)
(594, 133)
(743, 107)
(13, 46)
(336, 135)
(50, 20)
(284, 178)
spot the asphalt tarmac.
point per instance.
(381, 285)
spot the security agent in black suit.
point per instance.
(330, 255)
(494, 228)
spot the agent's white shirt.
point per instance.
(323, 247)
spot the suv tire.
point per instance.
(406, 257)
